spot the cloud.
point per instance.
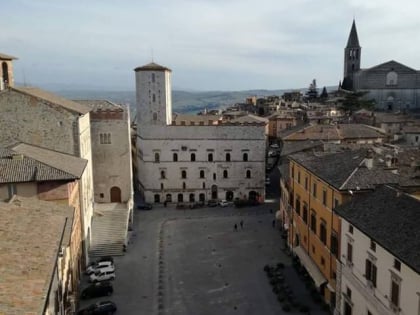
(254, 44)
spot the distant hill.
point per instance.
(182, 101)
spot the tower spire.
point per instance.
(353, 40)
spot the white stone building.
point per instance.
(380, 261)
(188, 158)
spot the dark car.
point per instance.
(97, 289)
(144, 206)
(100, 308)
(212, 203)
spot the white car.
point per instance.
(224, 203)
(100, 265)
(274, 146)
(102, 275)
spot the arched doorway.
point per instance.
(115, 194)
(214, 192)
(229, 195)
(390, 103)
(252, 195)
(5, 71)
(180, 197)
(157, 198)
(168, 198)
(192, 198)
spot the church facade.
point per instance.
(392, 85)
(191, 158)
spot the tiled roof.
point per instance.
(178, 118)
(290, 147)
(6, 57)
(335, 132)
(61, 161)
(99, 104)
(29, 240)
(390, 219)
(25, 163)
(152, 67)
(54, 99)
(347, 170)
(392, 118)
(333, 168)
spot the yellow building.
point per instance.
(320, 182)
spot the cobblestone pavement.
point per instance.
(194, 262)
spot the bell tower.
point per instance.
(153, 94)
(6, 71)
(352, 56)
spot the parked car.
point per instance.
(100, 308)
(102, 275)
(212, 203)
(101, 266)
(97, 290)
(272, 153)
(224, 203)
(275, 146)
(98, 265)
(144, 206)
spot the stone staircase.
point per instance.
(109, 230)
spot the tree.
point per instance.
(354, 101)
(312, 92)
(324, 94)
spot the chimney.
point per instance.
(369, 159)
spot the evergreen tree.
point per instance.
(354, 101)
(312, 92)
(324, 93)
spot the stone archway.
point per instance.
(115, 194)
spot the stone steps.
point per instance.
(109, 233)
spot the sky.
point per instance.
(208, 44)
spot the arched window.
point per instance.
(227, 157)
(161, 186)
(192, 197)
(204, 185)
(168, 197)
(184, 174)
(153, 77)
(184, 185)
(248, 174)
(214, 176)
(202, 174)
(175, 157)
(245, 157)
(225, 174)
(162, 175)
(392, 78)
(154, 116)
(192, 157)
(210, 157)
(157, 157)
(180, 197)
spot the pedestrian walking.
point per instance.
(242, 224)
(235, 227)
(274, 223)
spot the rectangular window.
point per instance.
(334, 243)
(297, 208)
(395, 293)
(397, 264)
(314, 189)
(370, 272)
(349, 253)
(372, 245)
(324, 197)
(313, 222)
(323, 232)
(351, 229)
(336, 202)
(298, 177)
(305, 213)
(306, 183)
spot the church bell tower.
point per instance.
(352, 56)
